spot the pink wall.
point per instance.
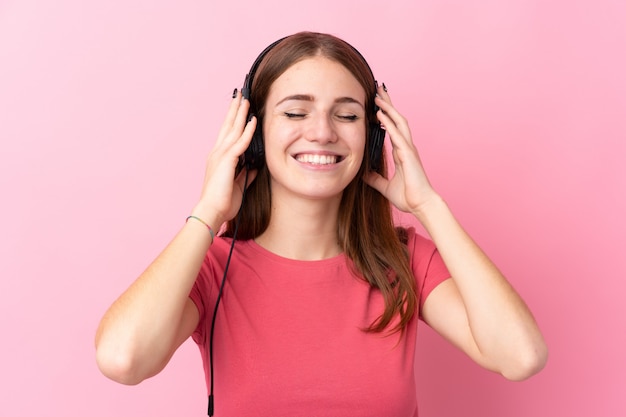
(107, 110)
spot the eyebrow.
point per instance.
(307, 97)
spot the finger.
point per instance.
(233, 117)
(235, 149)
(232, 109)
(241, 118)
(246, 135)
(399, 135)
(241, 178)
(376, 181)
(230, 151)
(389, 110)
(239, 146)
(381, 91)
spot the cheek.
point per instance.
(276, 140)
(277, 135)
(358, 140)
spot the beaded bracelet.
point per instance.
(204, 223)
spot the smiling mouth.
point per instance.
(316, 159)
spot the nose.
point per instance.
(321, 129)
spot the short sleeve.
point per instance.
(426, 263)
(200, 295)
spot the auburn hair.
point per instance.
(366, 231)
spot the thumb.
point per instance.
(376, 181)
(241, 178)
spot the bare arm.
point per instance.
(143, 328)
(477, 310)
(154, 316)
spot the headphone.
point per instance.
(254, 156)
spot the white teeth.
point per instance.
(317, 159)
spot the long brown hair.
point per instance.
(365, 230)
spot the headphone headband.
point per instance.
(247, 84)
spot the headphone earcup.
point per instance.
(376, 142)
(254, 156)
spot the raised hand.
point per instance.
(408, 187)
(222, 191)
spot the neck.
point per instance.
(302, 229)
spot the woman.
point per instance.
(319, 311)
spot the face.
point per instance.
(314, 129)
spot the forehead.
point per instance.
(317, 76)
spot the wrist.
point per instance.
(429, 209)
(203, 223)
(208, 218)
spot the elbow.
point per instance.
(528, 363)
(117, 366)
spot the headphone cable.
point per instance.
(219, 294)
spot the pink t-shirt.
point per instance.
(288, 337)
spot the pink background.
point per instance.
(107, 110)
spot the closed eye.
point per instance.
(347, 117)
(294, 115)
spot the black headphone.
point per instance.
(254, 156)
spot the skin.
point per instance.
(477, 310)
(315, 108)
